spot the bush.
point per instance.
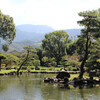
(8, 67)
(59, 66)
(69, 68)
(36, 62)
(24, 68)
(31, 67)
(16, 67)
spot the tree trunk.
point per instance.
(23, 63)
(58, 59)
(84, 59)
(0, 64)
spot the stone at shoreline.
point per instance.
(50, 80)
(1, 74)
(63, 75)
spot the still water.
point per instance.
(32, 87)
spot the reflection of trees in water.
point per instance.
(6, 82)
(9, 85)
(82, 94)
(30, 85)
(90, 92)
(2, 86)
(24, 87)
(53, 92)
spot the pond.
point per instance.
(32, 87)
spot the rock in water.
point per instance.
(63, 75)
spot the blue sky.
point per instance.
(59, 14)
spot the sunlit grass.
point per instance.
(41, 70)
(72, 76)
(7, 71)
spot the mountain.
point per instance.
(28, 34)
(73, 32)
(35, 28)
(31, 32)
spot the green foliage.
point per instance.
(31, 57)
(98, 60)
(70, 62)
(91, 23)
(31, 67)
(71, 48)
(40, 55)
(7, 28)
(10, 60)
(36, 62)
(45, 59)
(2, 56)
(64, 62)
(55, 44)
(77, 47)
(93, 61)
(5, 47)
(49, 61)
(15, 67)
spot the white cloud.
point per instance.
(59, 14)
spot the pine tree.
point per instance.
(91, 25)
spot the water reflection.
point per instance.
(32, 87)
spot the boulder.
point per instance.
(63, 75)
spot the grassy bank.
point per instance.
(39, 71)
(72, 74)
(32, 69)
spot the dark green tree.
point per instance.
(91, 23)
(93, 62)
(55, 44)
(40, 55)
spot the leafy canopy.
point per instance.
(7, 28)
(55, 44)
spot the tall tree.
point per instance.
(91, 23)
(7, 28)
(55, 44)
